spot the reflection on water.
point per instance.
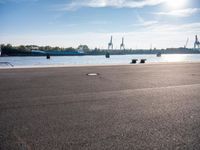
(176, 58)
(97, 60)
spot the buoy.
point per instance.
(158, 54)
(107, 55)
(48, 56)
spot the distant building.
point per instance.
(80, 50)
(34, 47)
(38, 51)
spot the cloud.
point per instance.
(149, 23)
(180, 13)
(143, 22)
(159, 27)
(76, 4)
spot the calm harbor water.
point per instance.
(95, 60)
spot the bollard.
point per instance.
(142, 61)
(134, 61)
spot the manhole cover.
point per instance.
(92, 74)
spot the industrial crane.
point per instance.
(196, 43)
(185, 46)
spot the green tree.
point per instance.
(83, 48)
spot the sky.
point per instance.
(69, 23)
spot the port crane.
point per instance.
(196, 43)
(185, 46)
(122, 46)
(110, 44)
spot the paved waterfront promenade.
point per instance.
(154, 106)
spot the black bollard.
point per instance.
(142, 61)
(134, 61)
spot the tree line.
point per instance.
(8, 49)
(26, 50)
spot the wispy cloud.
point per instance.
(176, 30)
(76, 4)
(180, 13)
(148, 23)
(144, 23)
(159, 26)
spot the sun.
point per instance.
(176, 4)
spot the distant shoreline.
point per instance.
(111, 52)
(84, 50)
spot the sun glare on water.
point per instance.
(175, 58)
(176, 4)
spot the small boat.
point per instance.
(158, 54)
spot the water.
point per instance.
(95, 60)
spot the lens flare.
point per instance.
(176, 4)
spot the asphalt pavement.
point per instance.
(133, 107)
